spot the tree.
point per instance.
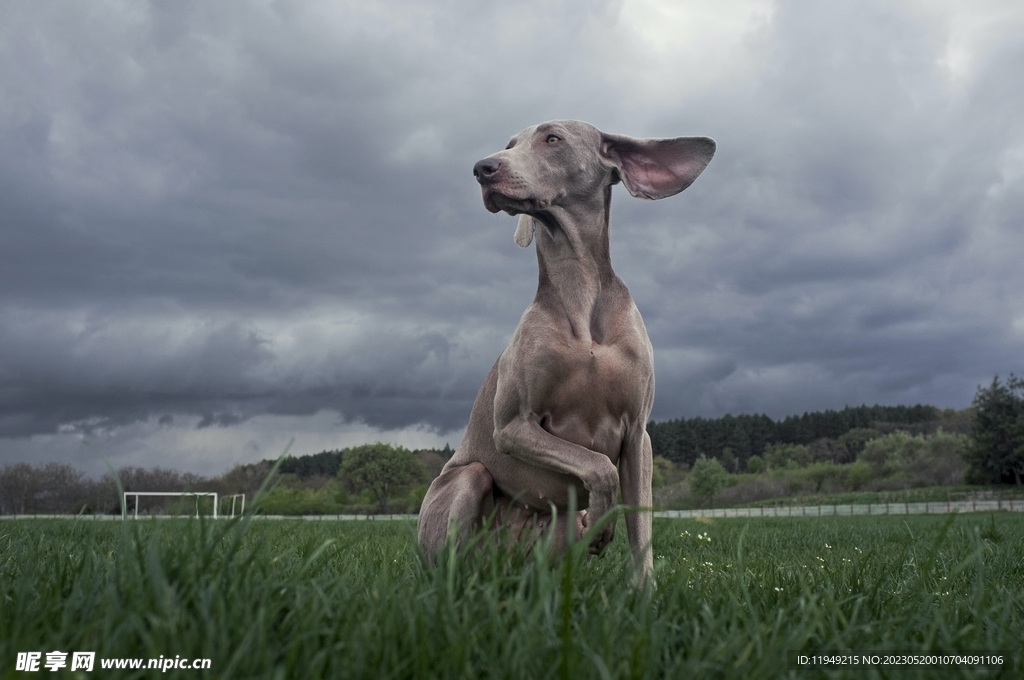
(19, 487)
(380, 468)
(325, 463)
(729, 461)
(997, 455)
(63, 490)
(780, 456)
(856, 439)
(51, 488)
(895, 453)
(662, 471)
(707, 478)
(945, 460)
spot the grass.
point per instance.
(291, 599)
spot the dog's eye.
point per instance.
(510, 144)
(553, 138)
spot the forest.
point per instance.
(737, 438)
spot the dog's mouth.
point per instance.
(496, 201)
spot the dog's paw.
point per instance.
(599, 538)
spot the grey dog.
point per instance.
(564, 409)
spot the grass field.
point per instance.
(293, 599)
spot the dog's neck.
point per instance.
(575, 264)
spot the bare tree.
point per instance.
(18, 489)
(245, 479)
(101, 496)
(160, 479)
(61, 489)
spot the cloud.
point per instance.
(215, 215)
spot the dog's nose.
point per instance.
(485, 170)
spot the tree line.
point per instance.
(737, 438)
(893, 446)
(59, 488)
(329, 463)
(360, 479)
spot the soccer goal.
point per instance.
(181, 494)
(234, 498)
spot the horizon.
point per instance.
(436, 449)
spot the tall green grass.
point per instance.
(294, 599)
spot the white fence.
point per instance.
(932, 508)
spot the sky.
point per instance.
(227, 225)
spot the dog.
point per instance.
(563, 411)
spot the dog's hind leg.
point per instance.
(458, 500)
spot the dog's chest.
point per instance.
(610, 373)
(588, 392)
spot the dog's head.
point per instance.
(568, 163)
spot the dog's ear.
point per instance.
(524, 230)
(657, 168)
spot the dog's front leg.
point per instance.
(524, 438)
(635, 465)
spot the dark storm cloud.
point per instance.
(225, 211)
(839, 228)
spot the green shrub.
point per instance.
(820, 478)
(945, 460)
(858, 474)
(707, 478)
(893, 453)
(786, 456)
(856, 439)
(289, 501)
(661, 471)
(416, 496)
(903, 460)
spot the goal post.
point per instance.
(137, 494)
(234, 498)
